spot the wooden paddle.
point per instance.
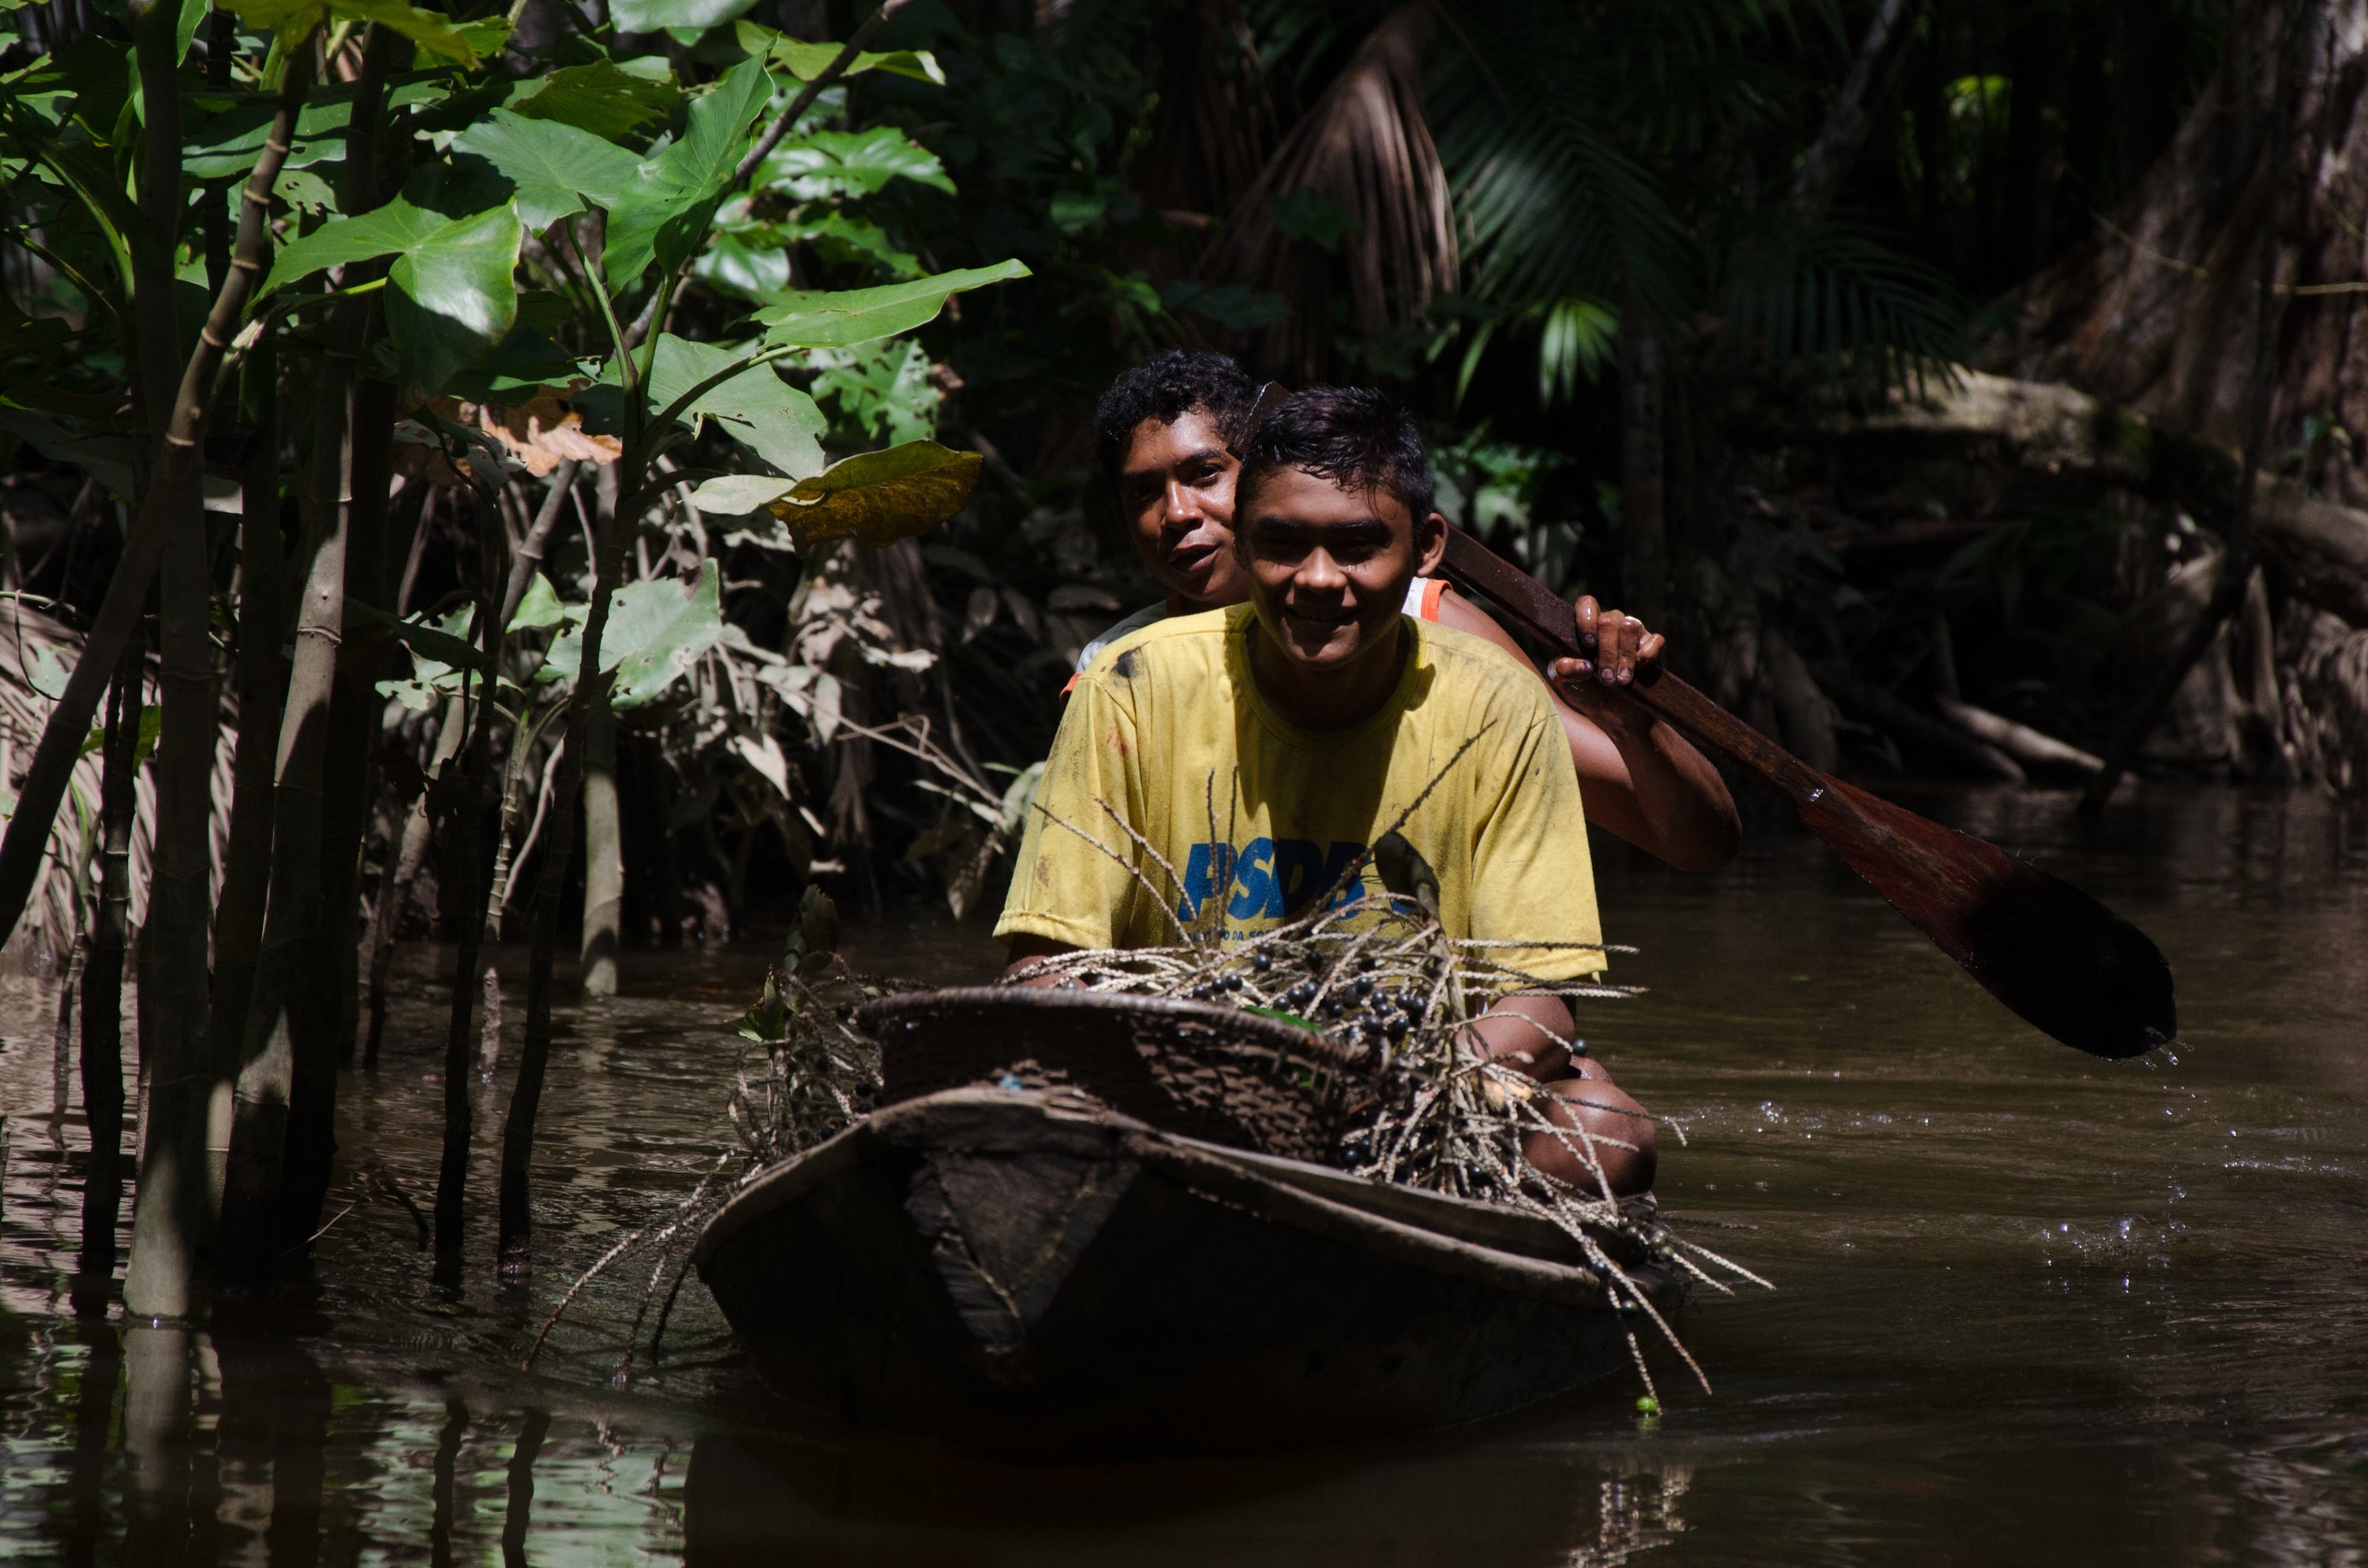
(2063, 960)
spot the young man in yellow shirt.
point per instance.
(1168, 432)
(1259, 749)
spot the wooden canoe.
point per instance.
(1030, 1274)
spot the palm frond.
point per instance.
(1833, 301)
(1366, 150)
(1551, 116)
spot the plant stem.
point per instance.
(604, 859)
(261, 680)
(102, 992)
(464, 871)
(831, 73)
(1644, 481)
(418, 825)
(256, 1224)
(318, 794)
(169, 1217)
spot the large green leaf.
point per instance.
(807, 61)
(849, 163)
(657, 660)
(452, 297)
(427, 642)
(185, 27)
(612, 104)
(431, 679)
(851, 316)
(665, 208)
(435, 196)
(228, 144)
(776, 421)
(88, 172)
(106, 457)
(554, 166)
(516, 369)
(291, 21)
(651, 16)
(740, 495)
(539, 609)
(656, 632)
(877, 499)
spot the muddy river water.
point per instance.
(2030, 1307)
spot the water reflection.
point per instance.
(2033, 1307)
(766, 1500)
(93, 1416)
(170, 1448)
(157, 1432)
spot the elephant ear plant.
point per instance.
(314, 264)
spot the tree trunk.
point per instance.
(168, 1219)
(169, 1222)
(2236, 567)
(604, 856)
(102, 994)
(464, 873)
(262, 677)
(462, 789)
(355, 710)
(327, 1013)
(1873, 71)
(254, 1218)
(1643, 488)
(323, 996)
(2159, 309)
(418, 826)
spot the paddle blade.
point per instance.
(2062, 961)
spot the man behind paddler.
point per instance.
(1259, 749)
(1168, 433)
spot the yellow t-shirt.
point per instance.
(1256, 818)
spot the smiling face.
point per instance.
(1328, 566)
(1176, 491)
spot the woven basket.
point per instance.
(1205, 1072)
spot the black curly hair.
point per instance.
(1166, 388)
(1354, 437)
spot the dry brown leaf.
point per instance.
(541, 433)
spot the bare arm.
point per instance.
(1638, 777)
(1530, 1035)
(1027, 953)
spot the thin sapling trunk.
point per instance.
(411, 857)
(261, 680)
(254, 1218)
(169, 1217)
(102, 992)
(464, 870)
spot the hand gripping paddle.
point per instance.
(2068, 965)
